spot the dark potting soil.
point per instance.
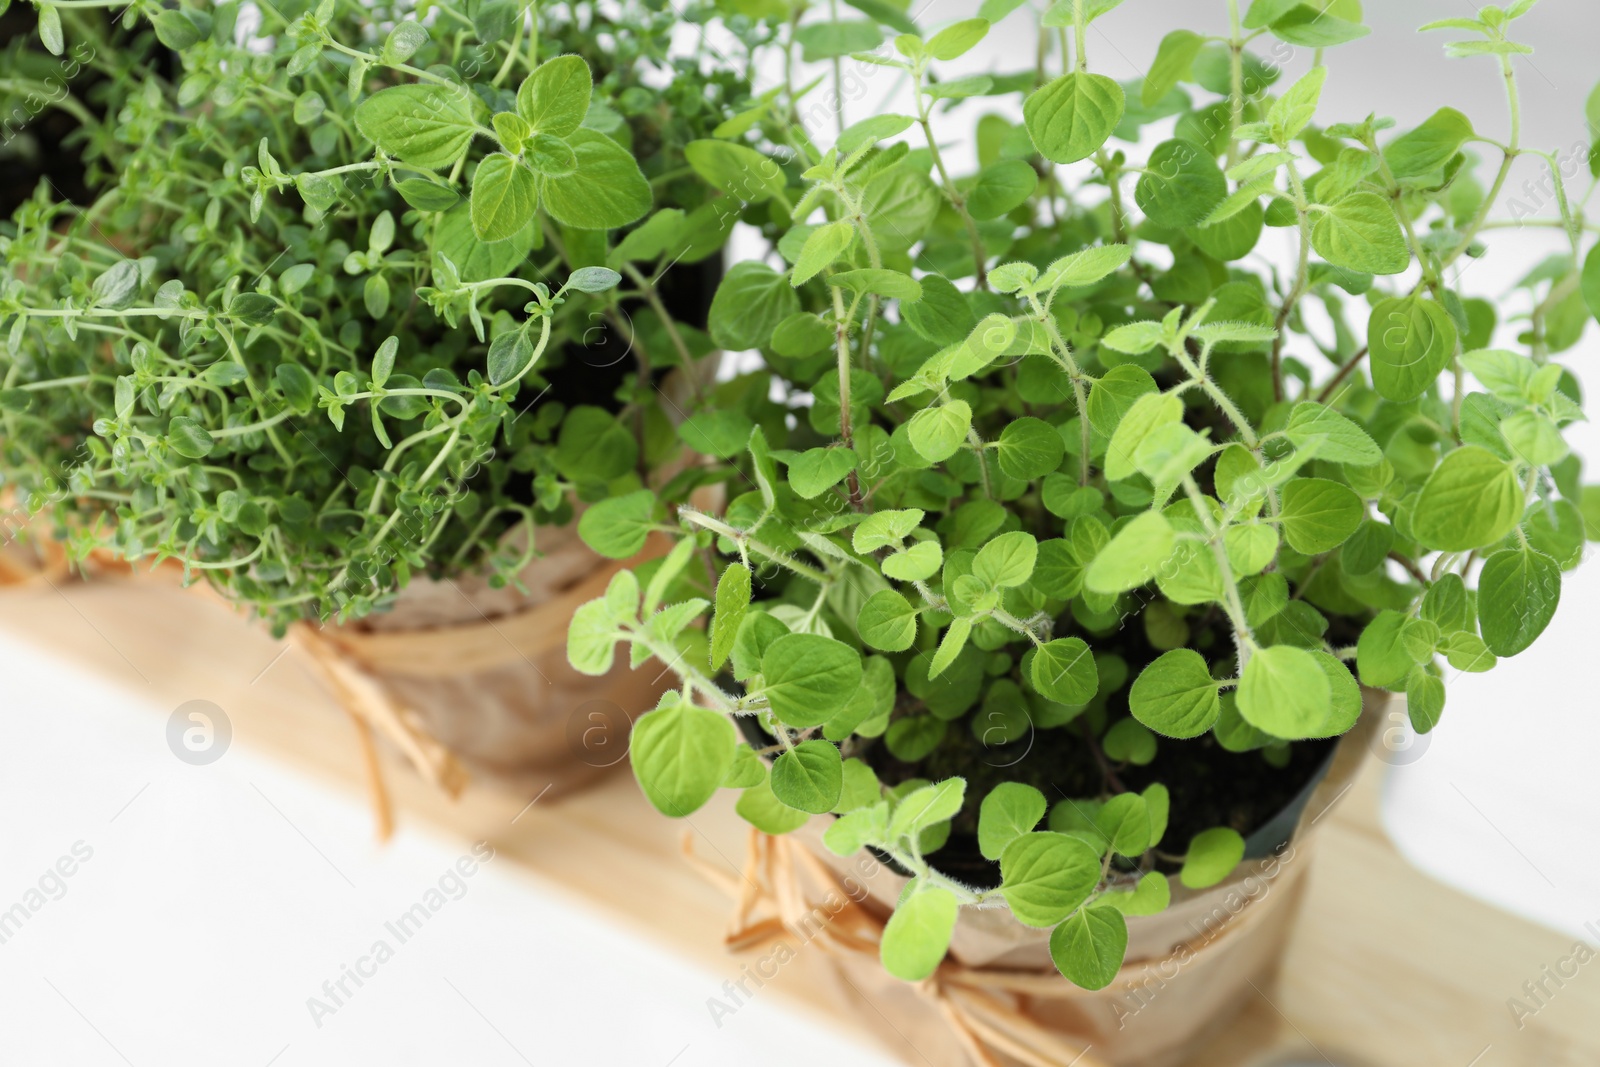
(592, 372)
(1209, 785)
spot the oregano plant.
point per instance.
(367, 291)
(1089, 524)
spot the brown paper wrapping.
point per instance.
(461, 677)
(997, 1000)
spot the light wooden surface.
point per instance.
(1387, 967)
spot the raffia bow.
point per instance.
(986, 1010)
(994, 1013)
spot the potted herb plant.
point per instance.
(379, 300)
(1092, 536)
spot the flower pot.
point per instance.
(479, 676)
(998, 1000)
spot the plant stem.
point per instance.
(957, 201)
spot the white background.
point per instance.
(219, 899)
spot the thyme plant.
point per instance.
(1073, 471)
(367, 291)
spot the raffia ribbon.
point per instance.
(352, 661)
(785, 886)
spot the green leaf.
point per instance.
(1411, 341)
(756, 634)
(927, 807)
(916, 563)
(618, 528)
(871, 130)
(1148, 413)
(505, 196)
(594, 446)
(554, 99)
(680, 754)
(1361, 233)
(1065, 672)
(1310, 26)
(1124, 823)
(117, 286)
(1590, 281)
(1367, 548)
(887, 621)
(746, 770)
(1294, 110)
(1518, 592)
(174, 28)
(253, 309)
(1285, 692)
(955, 639)
(403, 41)
(884, 528)
(1534, 438)
(474, 259)
(900, 204)
(508, 354)
(826, 40)
(608, 190)
(886, 283)
(425, 195)
(1010, 810)
(1471, 500)
(592, 280)
(1150, 897)
(1002, 186)
(1334, 437)
(1181, 185)
(759, 807)
(1115, 394)
(550, 156)
(823, 247)
(938, 433)
(1169, 453)
(1430, 146)
(735, 169)
(1176, 695)
(750, 303)
(50, 29)
(809, 776)
(917, 935)
(957, 39)
(1030, 448)
(1070, 118)
(817, 470)
(592, 635)
(1046, 876)
(942, 316)
(1088, 948)
(1173, 63)
(809, 678)
(188, 438)
(733, 600)
(1085, 267)
(1212, 856)
(1380, 657)
(426, 126)
(862, 790)
(1319, 514)
(1133, 556)
(1007, 560)
(1424, 700)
